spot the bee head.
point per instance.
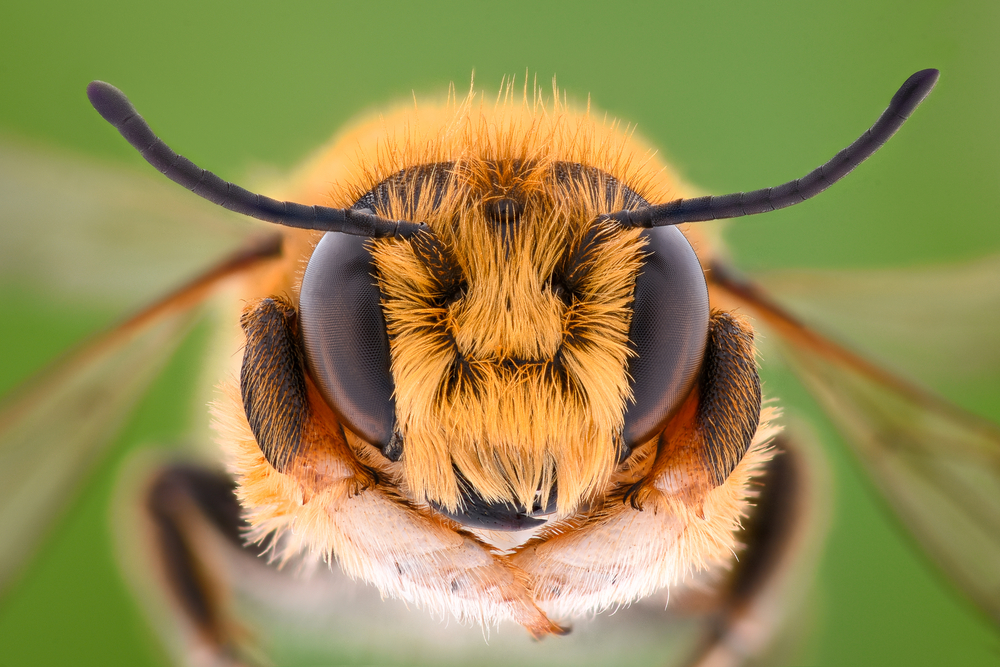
(500, 347)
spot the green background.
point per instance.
(738, 95)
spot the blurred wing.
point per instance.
(938, 324)
(75, 229)
(53, 431)
(80, 230)
(55, 426)
(937, 465)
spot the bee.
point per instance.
(489, 375)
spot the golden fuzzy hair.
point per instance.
(510, 429)
(508, 385)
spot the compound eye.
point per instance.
(345, 339)
(668, 333)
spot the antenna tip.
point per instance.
(924, 79)
(110, 102)
(914, 90)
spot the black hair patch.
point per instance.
(729, 394)
(272, 380)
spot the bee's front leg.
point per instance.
(300, 480)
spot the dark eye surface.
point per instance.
(668, 332)
(345, 339)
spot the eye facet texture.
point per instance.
(346, 345)
(668, 332)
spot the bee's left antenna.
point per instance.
(907, 98)
(115, 108)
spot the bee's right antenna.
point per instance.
(115, 108)
(911, 93)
